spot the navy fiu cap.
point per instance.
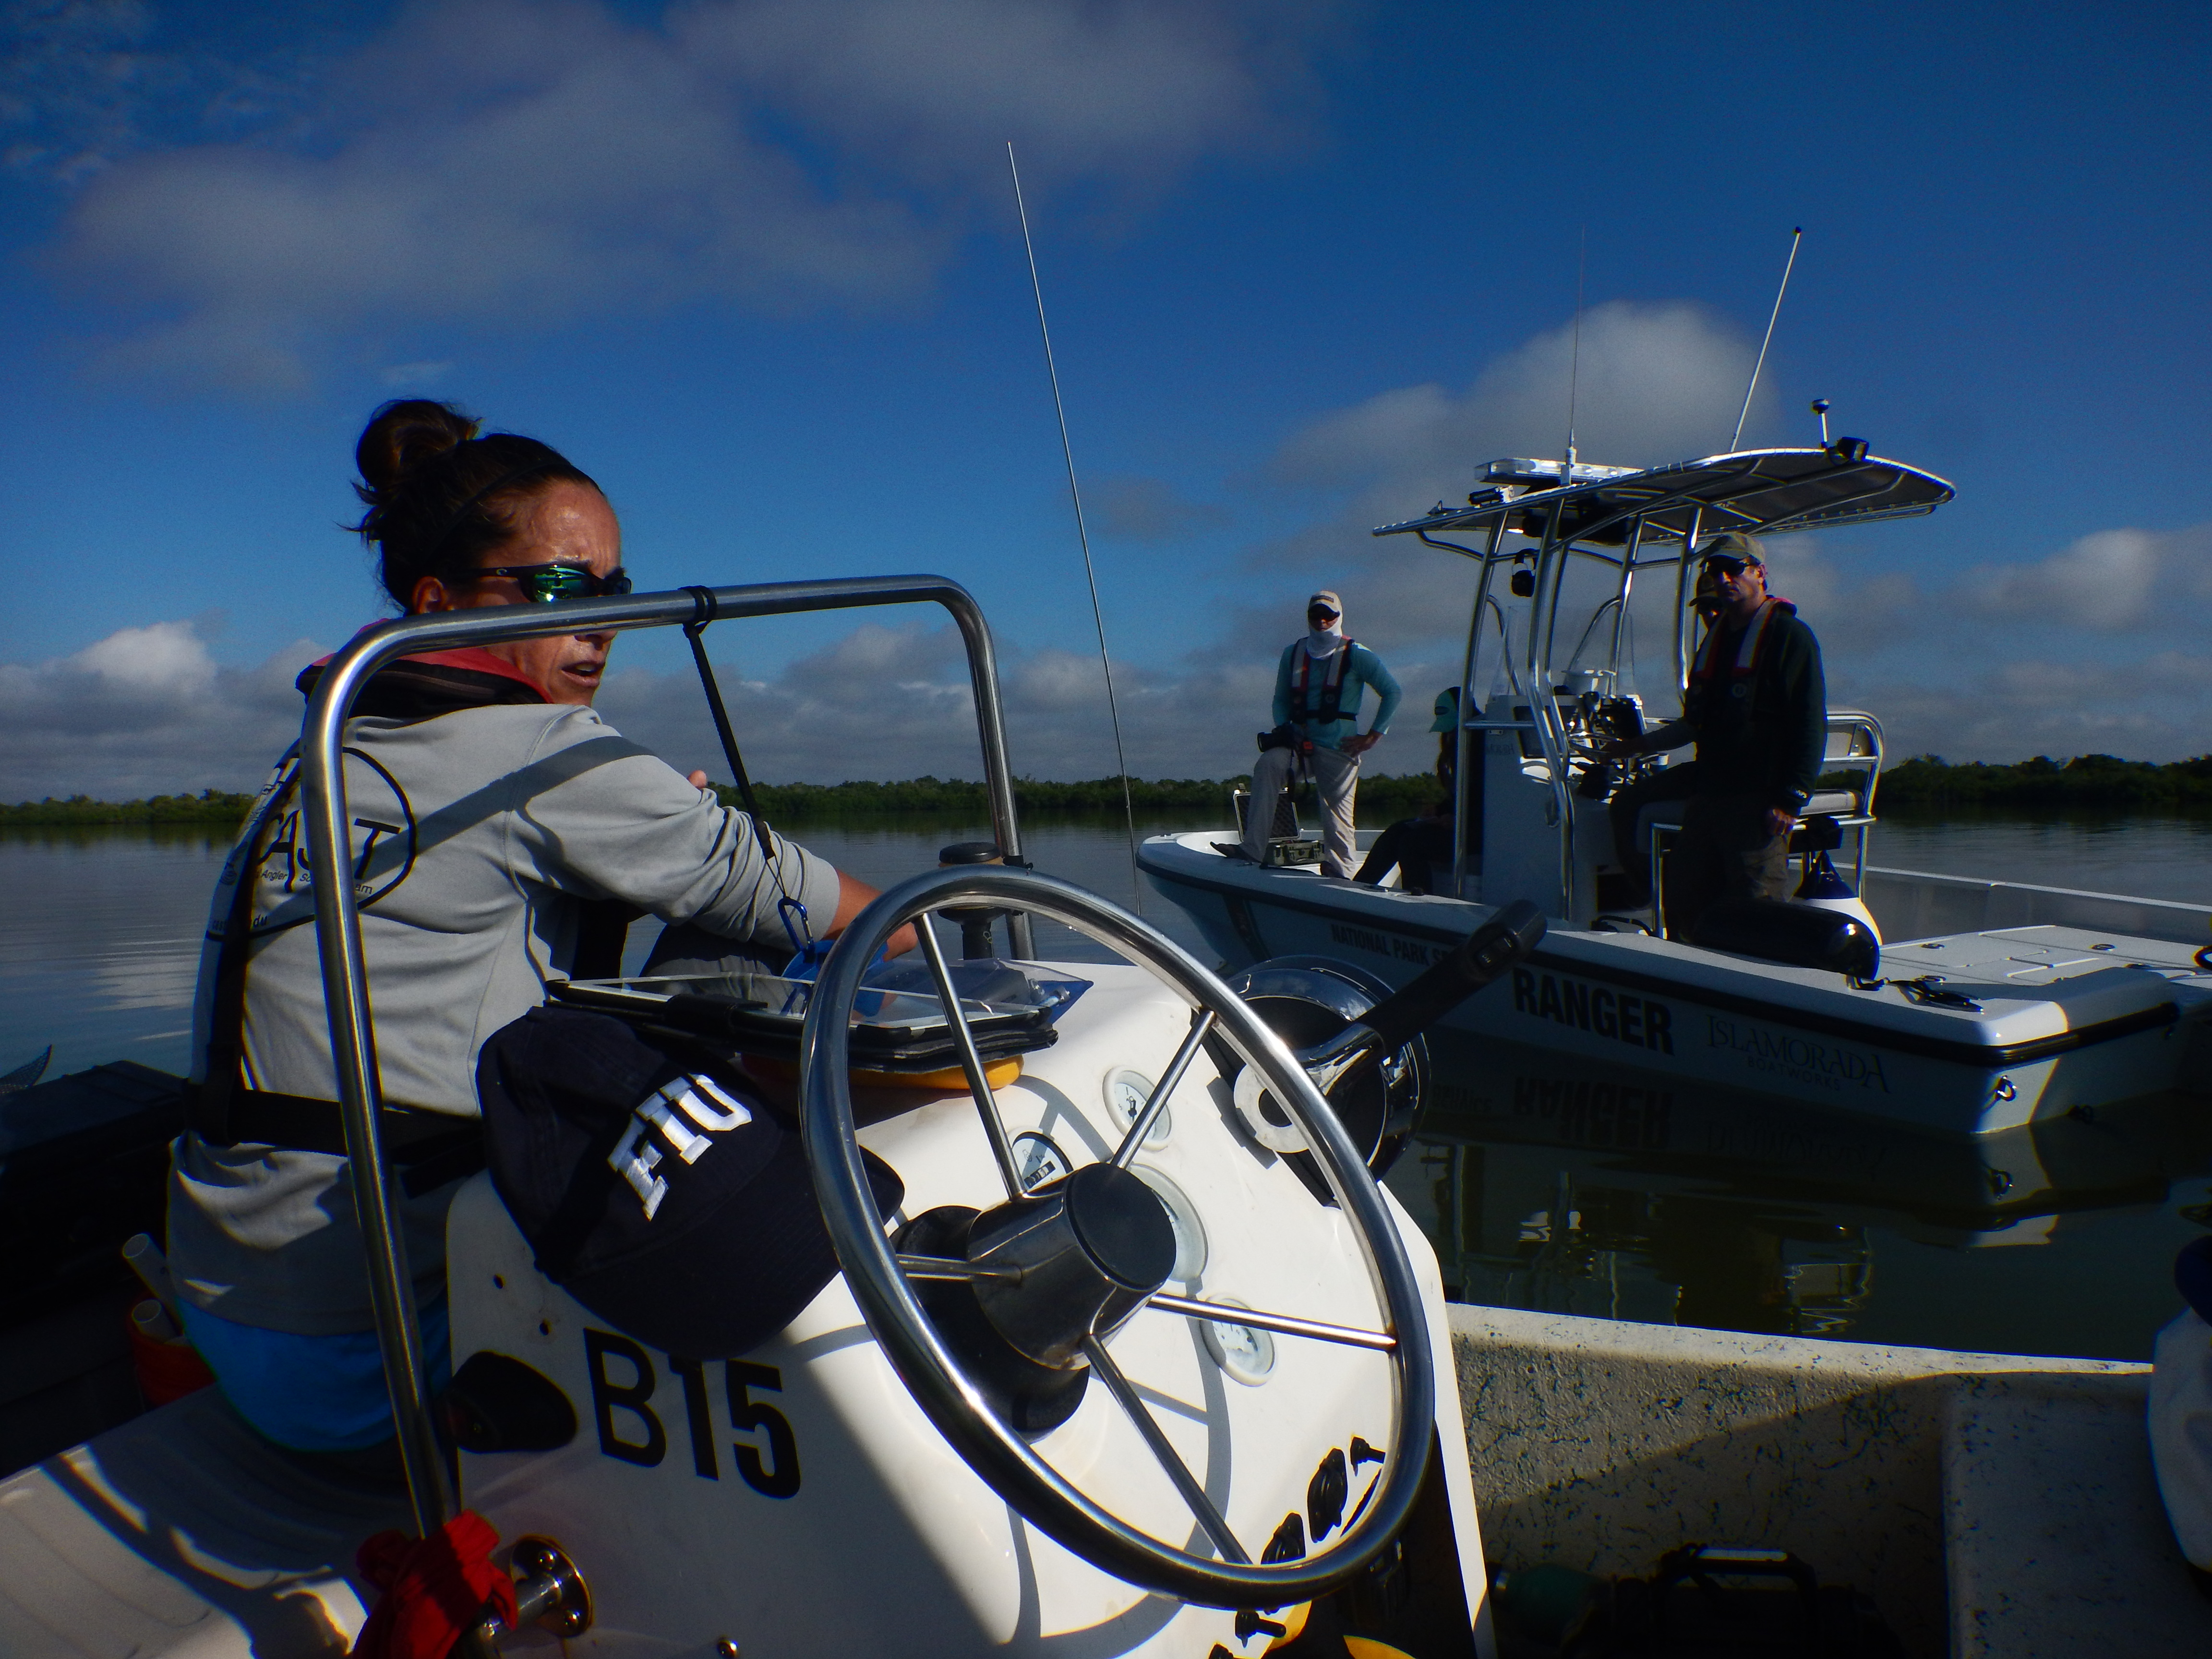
(667, 1200)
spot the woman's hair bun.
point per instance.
(402, 435)
(438, 497)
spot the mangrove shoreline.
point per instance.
(1918, 787)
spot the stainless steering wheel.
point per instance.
(881, 1280)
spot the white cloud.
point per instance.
(934, 88)
(516, 164)
(2154, 706)
(2108, 580)
(1656, 383)
(144, 711)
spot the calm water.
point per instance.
(1545, 1184)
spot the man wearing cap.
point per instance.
(1757, 708)
(1317, 691)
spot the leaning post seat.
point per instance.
(1853, 749)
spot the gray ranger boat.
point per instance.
(1994, 1004)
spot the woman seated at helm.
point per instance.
(496, 822)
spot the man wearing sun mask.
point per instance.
(1317, 691)
(1757, 708)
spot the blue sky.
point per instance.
(752, 264)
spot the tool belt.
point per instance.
(427, 1148)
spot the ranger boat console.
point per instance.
(1994, 1004)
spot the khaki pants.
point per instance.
(1724, 851)
(1336, 775)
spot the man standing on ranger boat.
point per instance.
(1317, 691)
(1757, 710)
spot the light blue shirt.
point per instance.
(1363, 669)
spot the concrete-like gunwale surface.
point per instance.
(1991, 1504)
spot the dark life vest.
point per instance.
(1714, 684)
(1330, 708)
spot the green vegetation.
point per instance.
(2095, 781)
(2089, 782)
(209, 806)
(798, 803)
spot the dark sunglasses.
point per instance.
(543, 584)
(1322, 613)
(1726, 564)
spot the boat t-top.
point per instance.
(1991, 1004)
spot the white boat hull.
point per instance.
(2066, 1022)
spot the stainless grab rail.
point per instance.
(337, 915)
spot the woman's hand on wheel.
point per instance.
(852, 896)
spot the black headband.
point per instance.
(547, 463)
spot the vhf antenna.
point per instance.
(1797, 235)
(1082, 535)
(1575, 363)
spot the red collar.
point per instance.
(474, 657)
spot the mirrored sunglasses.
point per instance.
(544, 584)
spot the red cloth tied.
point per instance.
(434, 1589)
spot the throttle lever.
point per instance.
(1441, 986)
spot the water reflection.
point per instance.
(153, 973)
(1545, 1184)
(1564, 1185)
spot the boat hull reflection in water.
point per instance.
(1560, 1185)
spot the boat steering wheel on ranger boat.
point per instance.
(1148, 1189)
(2041, 1002)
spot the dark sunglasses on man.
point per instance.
(544, 584)
(1321, 614)
(1726, 564)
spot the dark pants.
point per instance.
(1724, 851)
(1420, 849)
(1631, 848)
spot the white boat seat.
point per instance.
(1832, 803)
(181, 1532)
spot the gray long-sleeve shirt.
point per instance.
(477, 836)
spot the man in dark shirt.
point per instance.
(1757, 710)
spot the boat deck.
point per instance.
(181, 1533)
(1994, 1506)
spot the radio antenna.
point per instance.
(1574, 362)
(1797, 235)
(1082, 534)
